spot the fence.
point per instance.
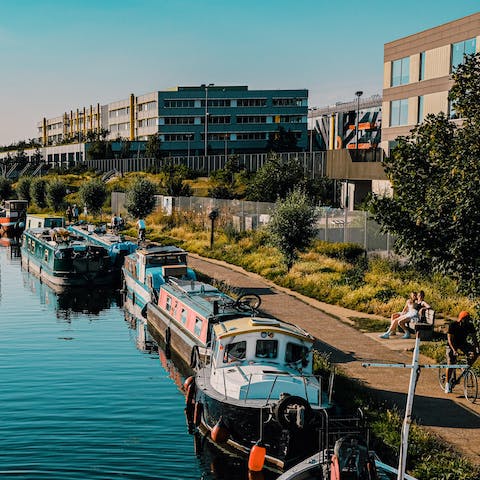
(313, 163)
(334, 224)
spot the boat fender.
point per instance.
(168, 335)
(220, 433)
(187, 383)
(195, 357)
(334, 468)
(197, 413)
(190, 397)
(292, 412)
(256, 459)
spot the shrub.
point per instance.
(93, 195)
(38, 192)
(55, 194)
(140, 198)
(23, 188)
(6, 189)
(344, 251)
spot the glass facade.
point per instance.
(460, 49)
(399, 112)
(400, 72)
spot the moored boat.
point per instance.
(12, 221)
(148, 268)
(184, 311)
(63, 260)
(258, 390)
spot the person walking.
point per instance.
(69, 213)
(75, 213)
(141, 226)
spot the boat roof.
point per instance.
(200, 297)
(160, 250)
(247, 325)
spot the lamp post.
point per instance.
(226, 138)
(206, 116)
(189, 136)
(358, 94)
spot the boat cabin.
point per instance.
(44, 221)
(257, 358)
(13, 209)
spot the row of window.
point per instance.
(240, 102)
(400, 73)
(219, 136)
(147, 122)
(119, 127)
(148, 106)
(119, 112)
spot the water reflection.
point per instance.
(66, 301)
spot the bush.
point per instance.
(344, 251)
(23, 188)
(55, 194)
(38, 193)
(6, 189)
(93, 195)
(140, 198)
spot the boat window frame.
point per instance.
(266, 341)
(229, 358)
(305, 349)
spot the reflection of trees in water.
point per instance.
(82, 300)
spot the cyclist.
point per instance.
(141, 229)
(458, 332)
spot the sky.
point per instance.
(59, 55)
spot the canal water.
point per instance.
(81, 399)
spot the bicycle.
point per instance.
(248, 302)
(470, 380)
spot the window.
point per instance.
(287, 102)
(179, 103)
(168, 303)
(421, 71)
(420, 110)
(296, 352)
(290, 119)
(216, 119)
(179, 120)
(176, 137)
(266, 349)
(198, 326)
(251, 102)
(400, 71)
(251, 136)
(399, 112)
(143, 107)
(251, 119)
(235, 351)
(183, 316)
(216, 102)
(460, 49)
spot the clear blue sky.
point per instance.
(57, 55)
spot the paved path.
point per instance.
(449, 416)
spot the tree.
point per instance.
(23, 188)
(172, 180)
(292, 225)
(38, 192)
(282, 141)
(140, 198)
(93, 195)
(55, 194)
(6, 189)
(434, 213)
(153, 148)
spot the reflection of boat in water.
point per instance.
(67, 300)
(148, 268)
(12, 221)
(60, 258)
(259, 387)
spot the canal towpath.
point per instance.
(451, 417)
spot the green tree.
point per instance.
(38, 189)
(55, 194)
(140, 198)
(292, 225)
(93, 195)
(153, 147)
(23, 188)
(282, 141)
(434, 213)
(6, 189)
(172, 180)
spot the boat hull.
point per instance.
(135, 290)
(284, 446)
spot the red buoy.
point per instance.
(256, 459)
(334, 468)
(219, 432)
(187, 383)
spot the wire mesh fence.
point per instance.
(333, 224)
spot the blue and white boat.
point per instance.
(145, 270)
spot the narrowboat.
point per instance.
(117, 247)
(257, 392)
(148, 268)
(12, 221)
(183, 312)
(61, 259)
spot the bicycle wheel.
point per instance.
(470, 386)
(442, 377)
(248, 301)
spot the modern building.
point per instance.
(197, 120)
(417, 74)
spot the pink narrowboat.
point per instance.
(183, 313)
(12, 221)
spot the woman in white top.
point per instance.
(408, 314)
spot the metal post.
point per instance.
(206, 117)
(226, 136)
(359, 93)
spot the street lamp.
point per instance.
(226, 138)
(358, 94)
(189, 137)
(206, 115)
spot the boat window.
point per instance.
(175, 309)
(295, 352)
(235, 351)
(198, 326)
(183, 316)
(168, 303)
(266, 349)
